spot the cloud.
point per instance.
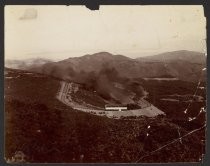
(29, 14)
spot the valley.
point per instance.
(68, 94)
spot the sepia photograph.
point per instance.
(121, 84)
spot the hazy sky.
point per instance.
(60, 32)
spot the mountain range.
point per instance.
(184, 65)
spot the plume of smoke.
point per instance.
(104, 83)
(138, 89)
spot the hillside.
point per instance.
(184, 65)
(46, 130)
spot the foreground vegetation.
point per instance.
(45, 130)
(51, 135)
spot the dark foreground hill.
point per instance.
(45, 130)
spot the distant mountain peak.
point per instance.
(100, 56)
(103, 53)
(183, 55)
